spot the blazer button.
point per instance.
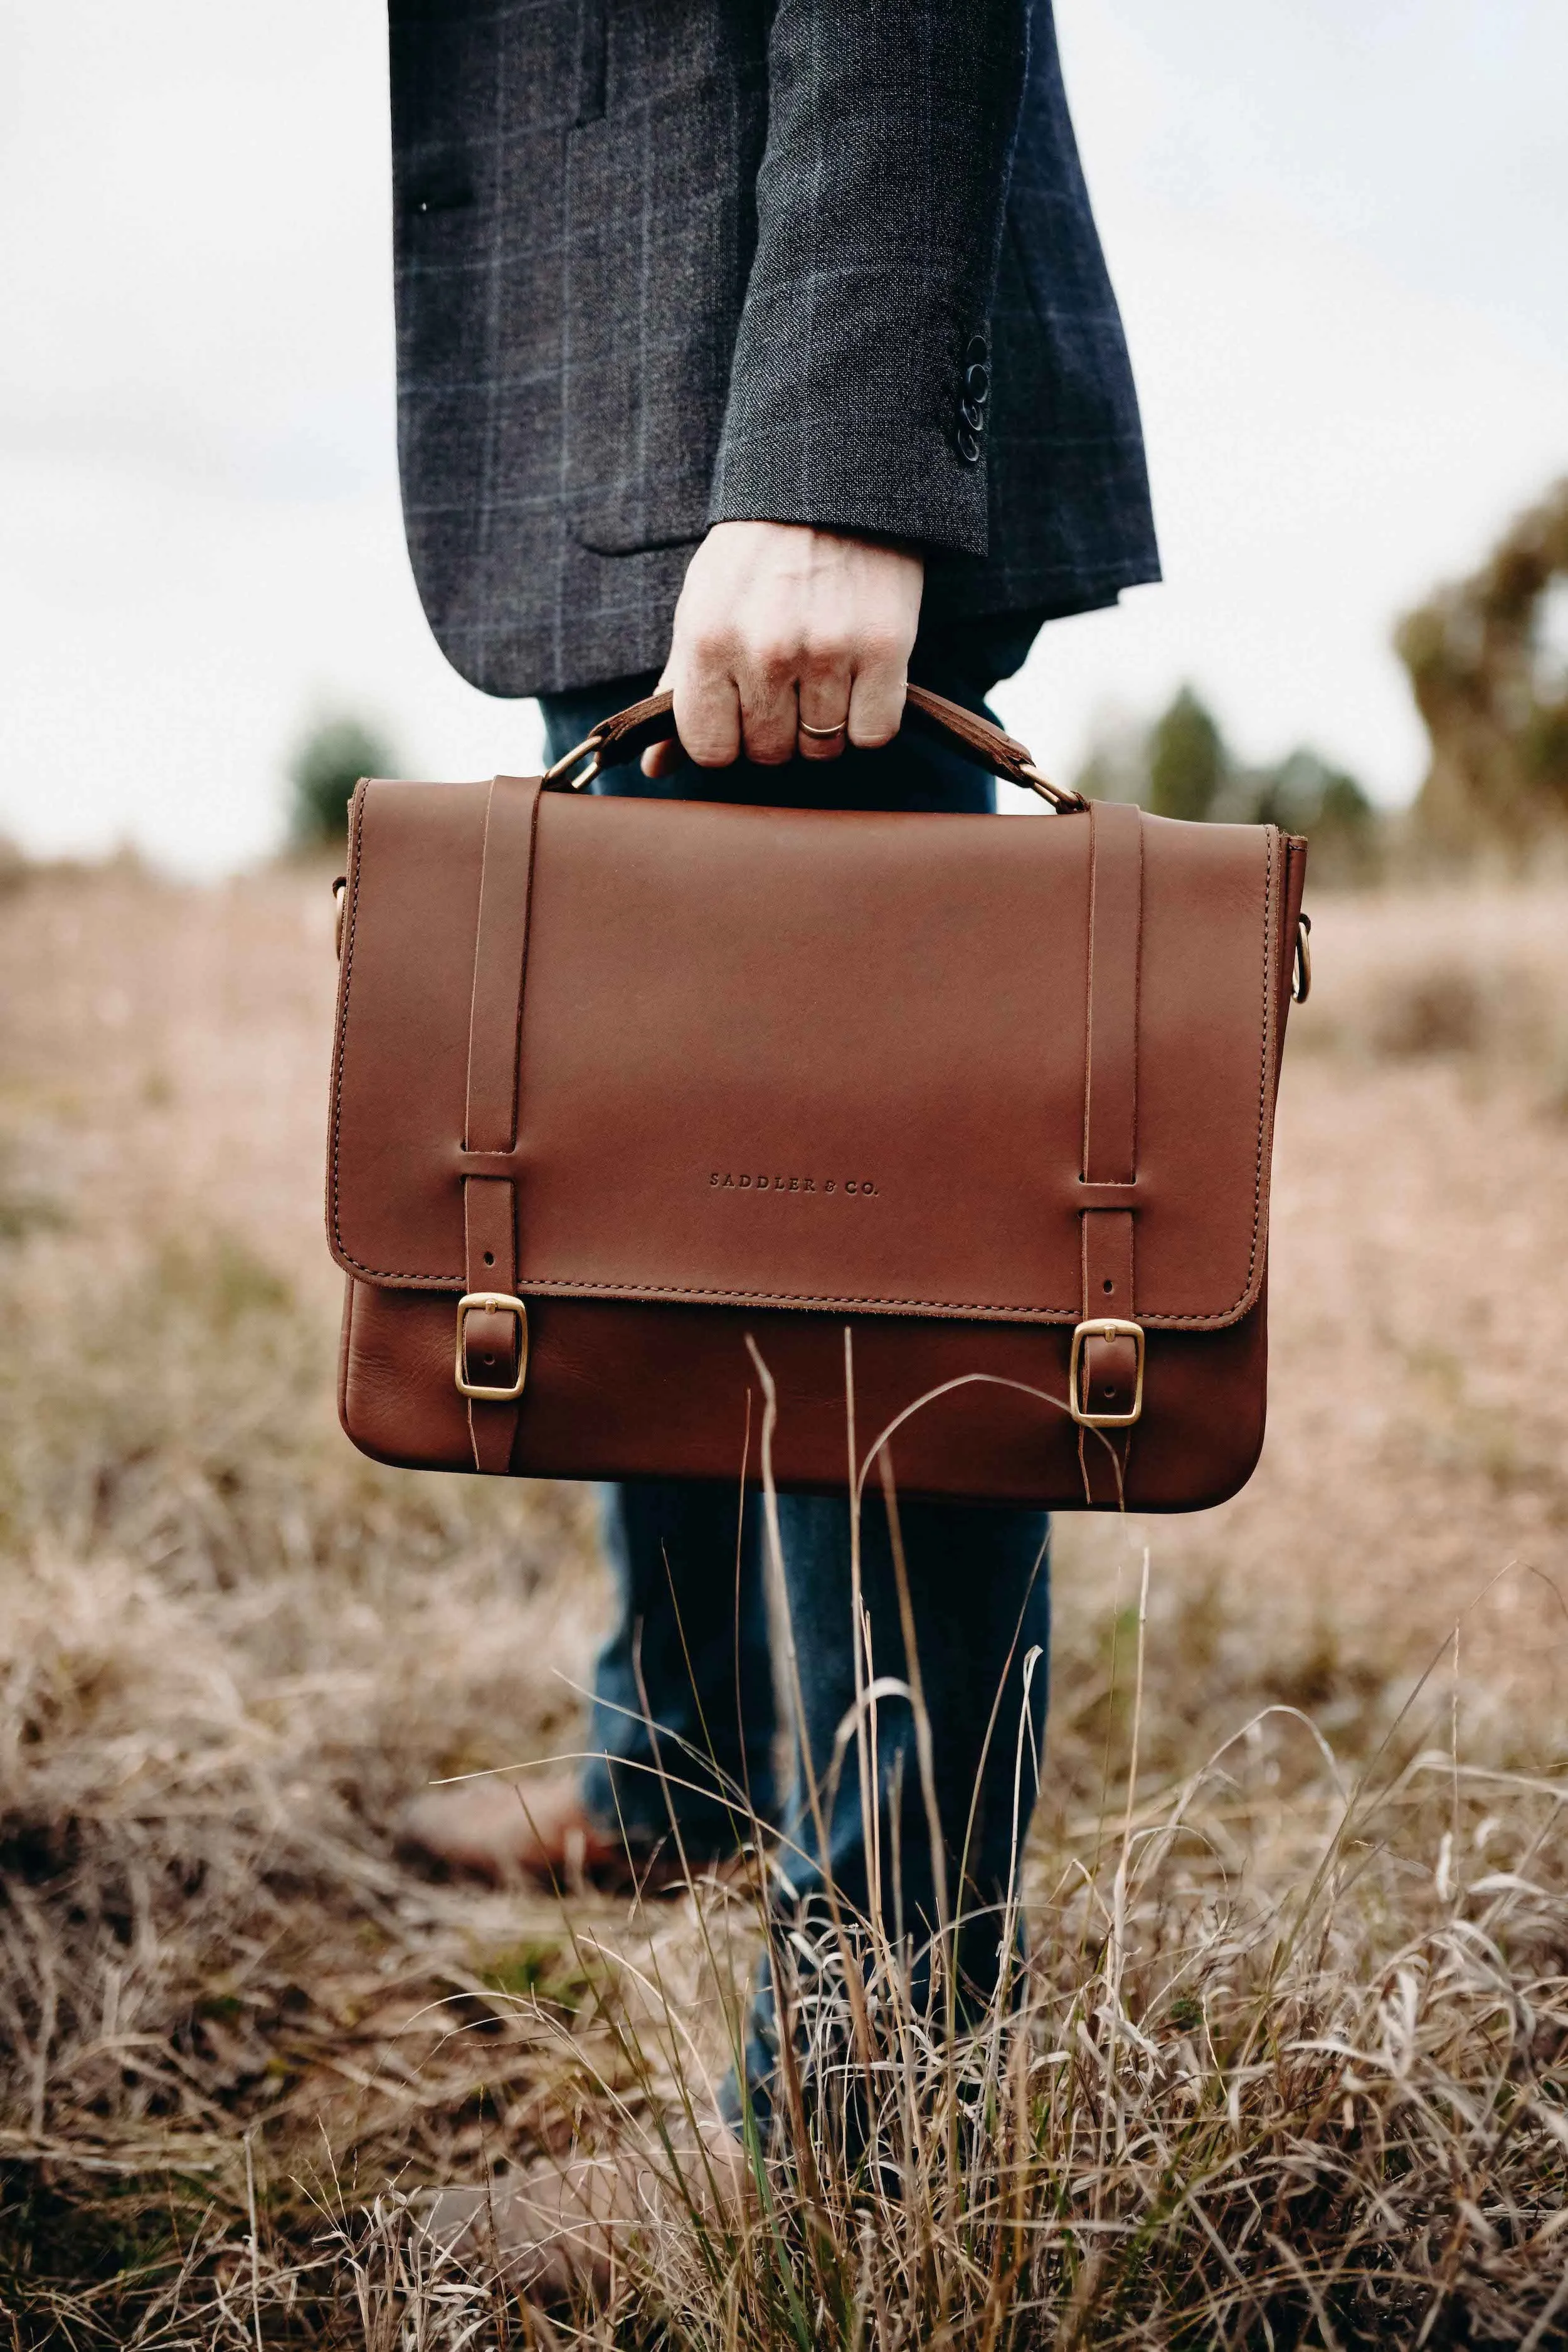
(977, 383)
(973, 418)
(979, 350)
(968, 446)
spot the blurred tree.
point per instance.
(1302, 793)
(1180, 767)
(324, 770)
(1189, 763)
(1493, 690)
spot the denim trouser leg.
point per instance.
(689, 1654)
(979, 1596)
(688, 1651)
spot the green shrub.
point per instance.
(1188, 763)
(323, 771)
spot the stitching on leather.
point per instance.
(1138, 1002)
(1264, 1125)
(570, 1286)
(523, 984)
(1089, 1000)
(474, 990)
(341, 1042)
(1265, 1119)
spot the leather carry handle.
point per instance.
(628, 734)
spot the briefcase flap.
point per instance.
(771, 1058)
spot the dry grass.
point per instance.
(1290, 2064)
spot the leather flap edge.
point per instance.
(450, 867)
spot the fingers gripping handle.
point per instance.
(617, 741)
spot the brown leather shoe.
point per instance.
(559, 2226)
(506, 1831)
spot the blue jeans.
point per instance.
(684, 1681)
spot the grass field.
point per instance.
(1292, 2067)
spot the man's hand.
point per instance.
(781, 628)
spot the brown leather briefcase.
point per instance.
(965, 1124)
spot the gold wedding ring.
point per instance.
(823, 734)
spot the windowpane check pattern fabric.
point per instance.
(666, 262)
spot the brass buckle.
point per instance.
(496, 1302)
(1104, 1327)
(591, 744)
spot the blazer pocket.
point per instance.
(658, 238)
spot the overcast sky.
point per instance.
(1338, 229)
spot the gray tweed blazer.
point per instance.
(664, 263)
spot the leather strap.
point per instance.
(619, 739)
(491, 1338)
(1108, 1367)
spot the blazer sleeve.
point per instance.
(861, 371)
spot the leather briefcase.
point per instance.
(962, 1124)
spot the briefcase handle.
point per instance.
(614, 741)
